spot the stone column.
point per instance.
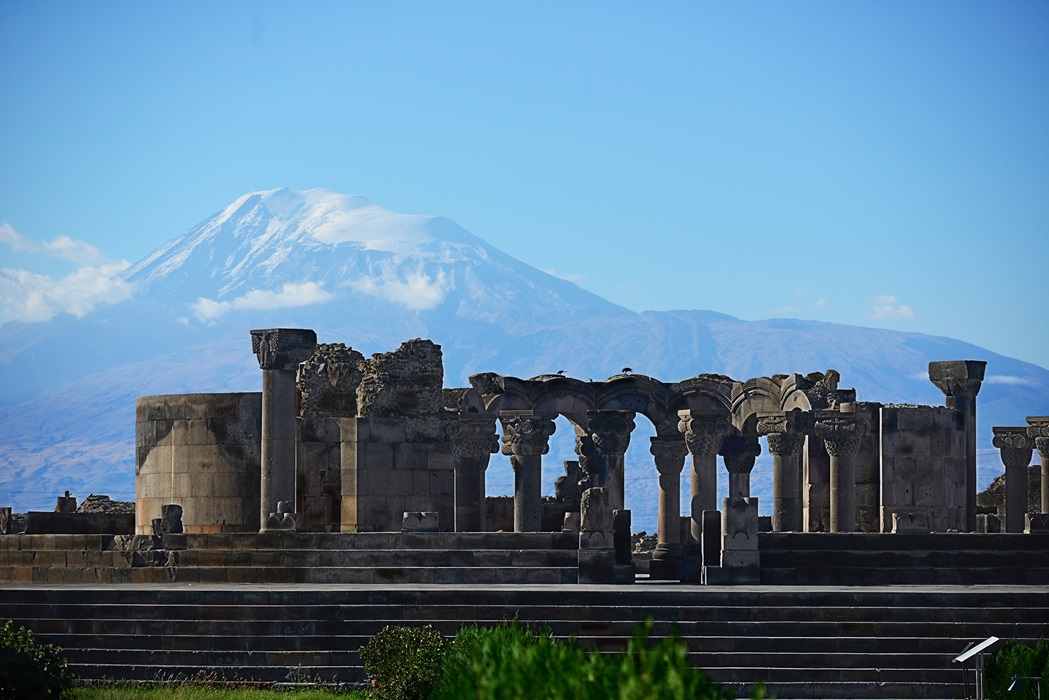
(739, 452)
(526, 438)
(841, 434)
(1038, 430)
(610, 431)
(669, 454)
(1016, 449)
(786, 433)
(703, 431)
(280, 352)
(473, 439)
(960, 381)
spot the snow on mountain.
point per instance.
(369, 277)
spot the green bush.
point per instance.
(29, 670)
(405, 662)
(1016, 659)
(508, 662)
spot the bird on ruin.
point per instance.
(627, 370)
(560, 373)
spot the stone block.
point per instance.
(596, 511)
(420, 521)
(442, 482)
(910, 523)
(5, 520)
(1036, 523)
(739, 524)
(738, 558)
(572, 522)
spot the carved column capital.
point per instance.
(669, 454)
(841, 433)
(1038, 430)
(282, 348)
(739, 452)
(960, 379)
(1014, 444)
(526, 433)
(785, 431)
(610, 431)
(473, 436)
(703, 430)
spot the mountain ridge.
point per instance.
(67, 415)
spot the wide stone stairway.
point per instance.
(801, 642)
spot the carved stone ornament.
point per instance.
(961, 378)
(739, 452)
(585, 450)
(841, 434)
(610, 431)
(703, 431)
(282, 348)
(526, 434)
(785, 431)
(1014, 445)
(473, 436)
(669, 454)
(1038, 430)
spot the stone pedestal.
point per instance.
(474, 440)
(1016, 449)
(280, 351)
(669, 454)
(526, 438)
(960, 382)
(740, 557)
(1038, 430)
(597, 551)
(610, 433)
(786, 433)
(841, 434)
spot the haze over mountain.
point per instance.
(372, 278)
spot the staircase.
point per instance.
(801, 642)
(855, 559)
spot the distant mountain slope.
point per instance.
(371, 278)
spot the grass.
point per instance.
(129, 691)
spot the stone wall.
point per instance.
(201, 451)
(923, 465)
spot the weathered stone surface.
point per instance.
(1016, 448)
(420, 521)
(328, 381)
(1036, 523)
(568, 489)
(5, 520)
(66, 504)
(596, 523)
(282, 348)
(913, 523)
(101, 503)
(405, 382)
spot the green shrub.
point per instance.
(508, 662)
(1016, 659)
(29, 670)
(405, 662)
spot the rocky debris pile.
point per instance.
(104, 504)
(994, 495)
(328, 382)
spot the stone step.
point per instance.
(916, 576)
(363, 558)
(944, 542)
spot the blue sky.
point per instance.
(871, 163)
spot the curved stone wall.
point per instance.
(201, 451)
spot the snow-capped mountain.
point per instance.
(369, 277)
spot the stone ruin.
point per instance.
(337, 442)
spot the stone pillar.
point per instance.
(703, 431)
(526, 438)
(739, 452)
(669, 454)
(1038, 430)
(786, 433)
(841, 434)
(960, 381)
(610, 432)
(1016, 449)
(280, 352)
(473, 439)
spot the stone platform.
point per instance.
(800, 641)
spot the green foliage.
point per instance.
(508, 662)
(1016, 659)
(404, 661)
(28, 670)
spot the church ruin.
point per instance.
(337, 442)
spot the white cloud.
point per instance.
(31, 297)
(1008, 379)
(820, 303)
(62, 247)
(417, 291)
(289, 295)
(566, 276)
(885, 307)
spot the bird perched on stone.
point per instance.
(627, 370)
(560, 373)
